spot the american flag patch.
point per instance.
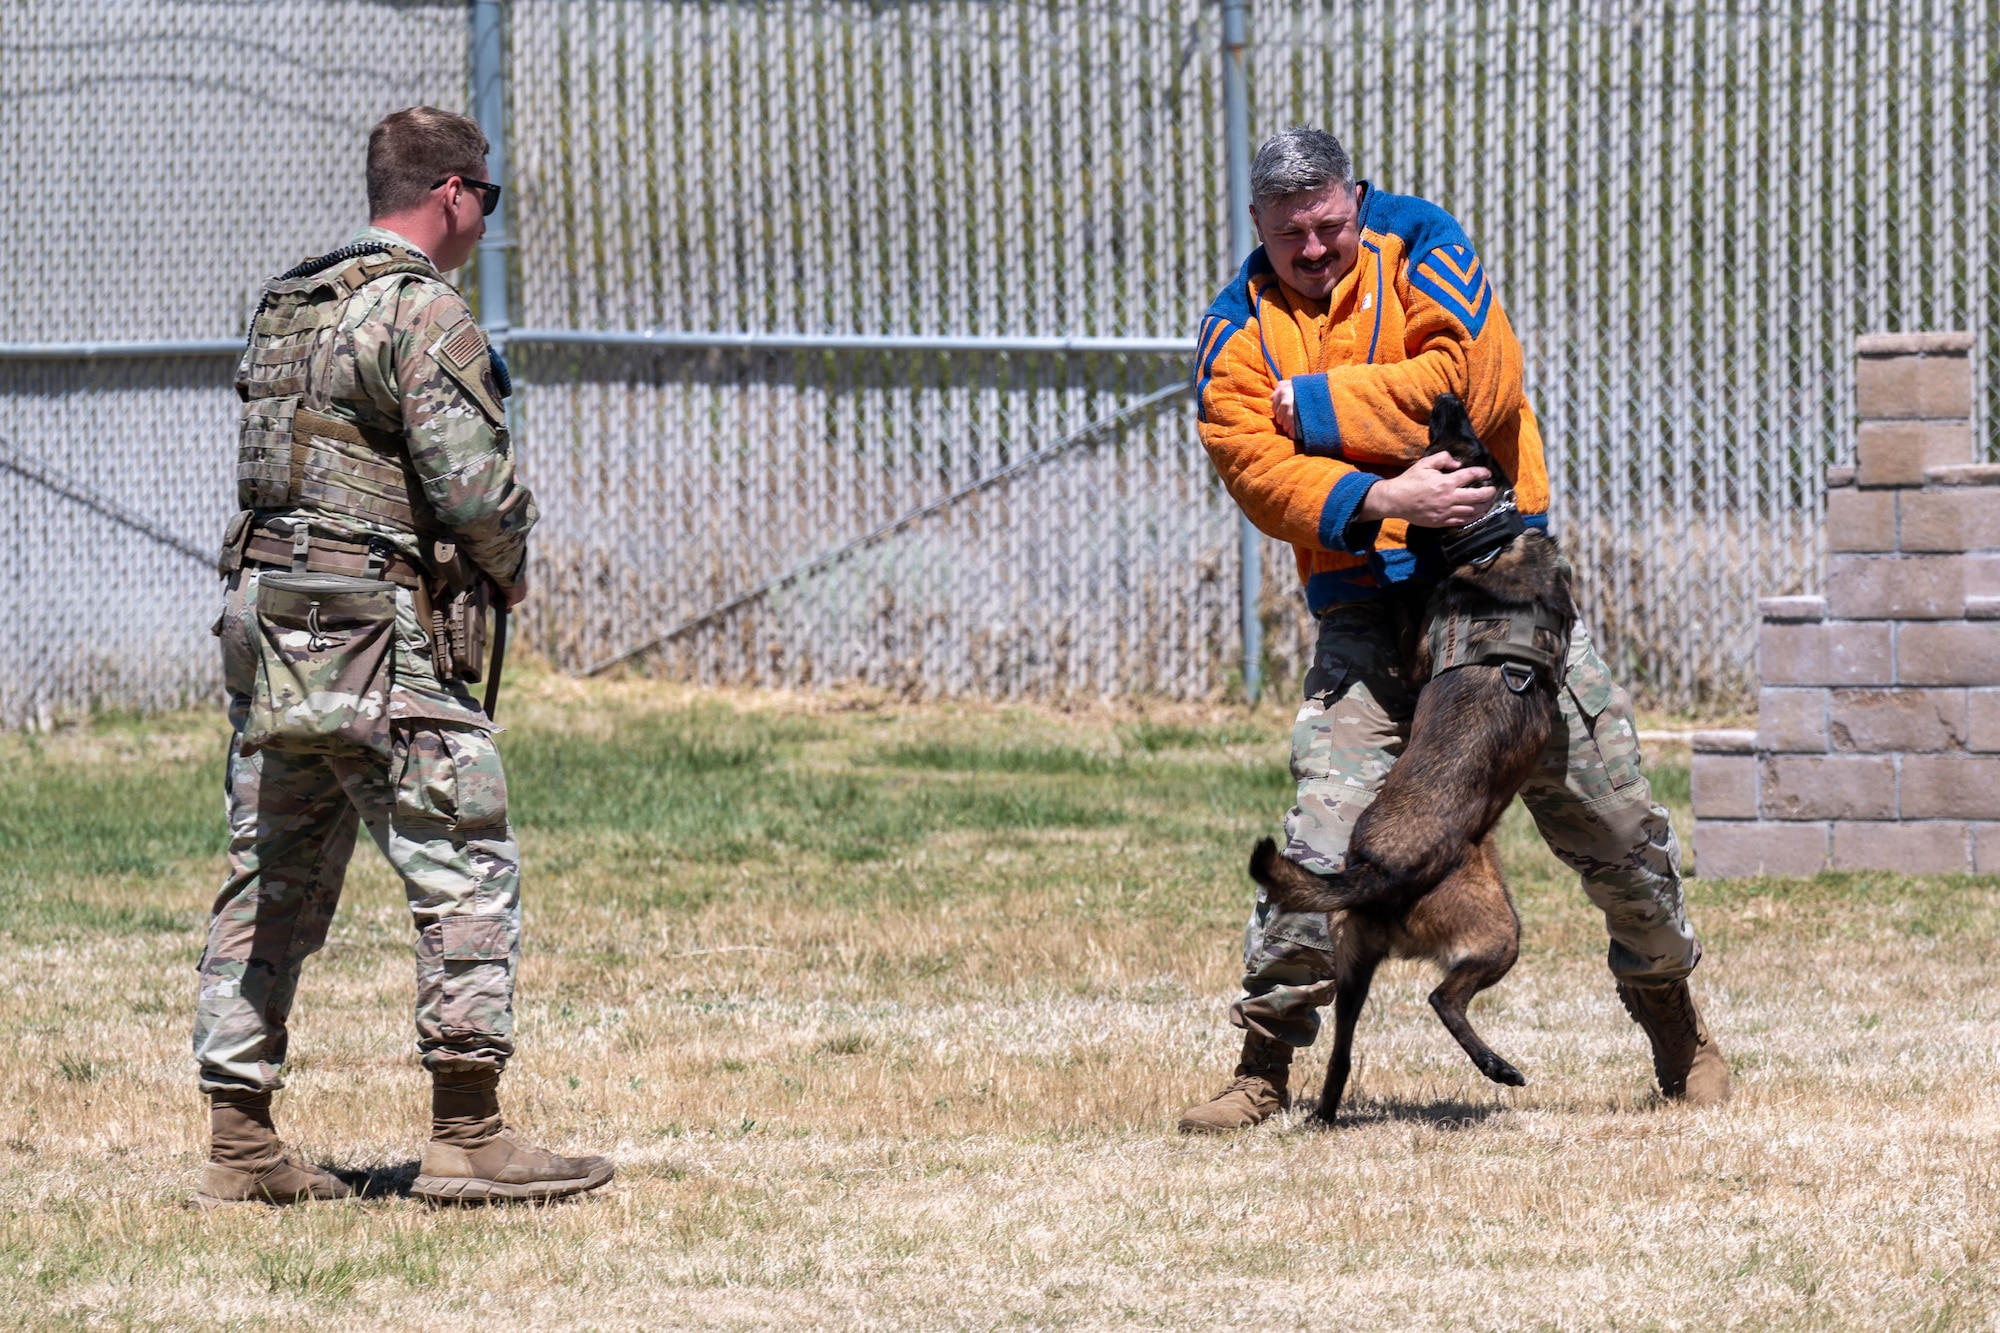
(462, 347)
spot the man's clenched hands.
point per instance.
(1433, 492)
(1281, 410)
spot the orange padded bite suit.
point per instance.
(1414, 318)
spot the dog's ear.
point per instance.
(1451, 429)
(1261, 856)
(1452, 433)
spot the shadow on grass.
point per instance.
(380, 1182)
(1449, 1114)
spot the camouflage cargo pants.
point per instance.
(436, 804)
(1588, 798)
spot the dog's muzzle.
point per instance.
(1486, 536)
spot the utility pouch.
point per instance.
(234, 538)
(322, 646)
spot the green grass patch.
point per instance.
(107, 817)
(976, 758)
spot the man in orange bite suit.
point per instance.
(1317, 368)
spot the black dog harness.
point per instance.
(1517, 655)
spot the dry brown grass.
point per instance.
(920, 1068)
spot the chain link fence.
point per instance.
(912, 412)
(162, 158)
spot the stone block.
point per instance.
(1913, 386)
(1982, 721)
(1793, 786)
(1949, 518)
(1963, 474)
(1724, 786)
(1758, 847)
(1898, 453)
(1862, 521)
(1925, 721)
(1950, 786)
(1986, 849)
(1825, 654)
(1791, 610)
(1982, 608)
(1895, 587)
(1911, 848)
(1950, 652)
(1929, 342)
(1839, 475)
(1733, 741)
(1792, 721)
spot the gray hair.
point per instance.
(1296, 160)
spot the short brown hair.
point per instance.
(415, 148)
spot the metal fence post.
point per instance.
(1236, 127)
(489, 108)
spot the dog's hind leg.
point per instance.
(1348, 1001)
(1460, 984)
(1468, 927)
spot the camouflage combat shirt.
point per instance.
(406, 358)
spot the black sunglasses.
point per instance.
(489, 193)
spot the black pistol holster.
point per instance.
(458, 596)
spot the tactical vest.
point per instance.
(290, 456)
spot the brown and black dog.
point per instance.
(1422, 876)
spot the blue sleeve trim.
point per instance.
(1339, 511)
(1312, 409)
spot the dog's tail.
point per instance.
(1292, 887)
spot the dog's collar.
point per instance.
(1479, 541)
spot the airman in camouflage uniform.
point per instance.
(373, 440)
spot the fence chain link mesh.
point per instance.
(163, 158)
(1689, 209)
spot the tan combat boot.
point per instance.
(474, 1158)
(1686, 1059)
(1255, 1095)
(249, 1163)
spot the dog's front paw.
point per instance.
(1501, 1072)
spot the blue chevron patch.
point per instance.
(1452, 276)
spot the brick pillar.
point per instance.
(1878, 721)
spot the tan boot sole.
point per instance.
(471, 1189)
(208, 1203)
